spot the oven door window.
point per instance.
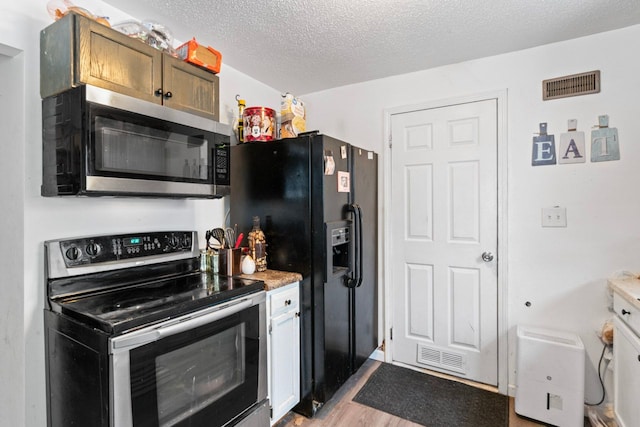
(205, 376)
(125, 148)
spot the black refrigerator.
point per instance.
(316, 197)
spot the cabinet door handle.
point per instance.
(168, 94)
(625, 312)
(158, 92)
(287, 302)
(298, 315)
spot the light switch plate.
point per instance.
(554, 217)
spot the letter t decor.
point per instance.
(605, 145)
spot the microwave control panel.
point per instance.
(222, 162)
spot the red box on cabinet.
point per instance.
(205, 57)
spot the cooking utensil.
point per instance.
(239, 240)
(207, 236)
(230, 237)
(219, 234)
(213, 242)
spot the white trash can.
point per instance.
(550, 376)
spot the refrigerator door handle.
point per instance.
(360, 247)
(356, 278)
(352, 278)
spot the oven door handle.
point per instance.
(182, 324)
(193, 323)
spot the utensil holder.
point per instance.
(229, 262)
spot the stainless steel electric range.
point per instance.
(137, 335)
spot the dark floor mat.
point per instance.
(432, 401)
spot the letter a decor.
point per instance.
(571, 145)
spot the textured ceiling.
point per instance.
(304, 46)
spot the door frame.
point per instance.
(503, 319)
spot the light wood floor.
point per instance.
(342, 411)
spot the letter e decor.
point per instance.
(544, 148)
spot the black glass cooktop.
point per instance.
(120, 310)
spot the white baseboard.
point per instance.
(377, 355)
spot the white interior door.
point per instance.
(444, 239)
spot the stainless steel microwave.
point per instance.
(101, 143)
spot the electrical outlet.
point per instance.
(554, 217)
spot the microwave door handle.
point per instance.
(136, 340)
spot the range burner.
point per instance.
(134, 303)
(143, 303)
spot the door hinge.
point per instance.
(390, 141)
(270, 411)
(270, 328)
(391, 333)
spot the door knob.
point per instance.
(487, 256)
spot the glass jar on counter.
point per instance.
(258, 245)
(208, 261)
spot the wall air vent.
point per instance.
(574, 85)
(442, 359)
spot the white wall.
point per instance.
(11, 243)
(28, 219)
(562, 272)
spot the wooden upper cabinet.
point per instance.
(189, 88)
(76, 50)
(115, 61)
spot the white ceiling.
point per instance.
(304, 46)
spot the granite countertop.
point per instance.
(628, 288)
(274, 279)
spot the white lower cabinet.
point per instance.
(626, 356)
(283, 349)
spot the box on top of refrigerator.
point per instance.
(293, 116)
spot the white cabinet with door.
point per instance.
(626, 375)
(626, 355)
(283, 348)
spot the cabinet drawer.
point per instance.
(284, 300)
(627, 312)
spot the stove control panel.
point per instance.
(101, 249)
